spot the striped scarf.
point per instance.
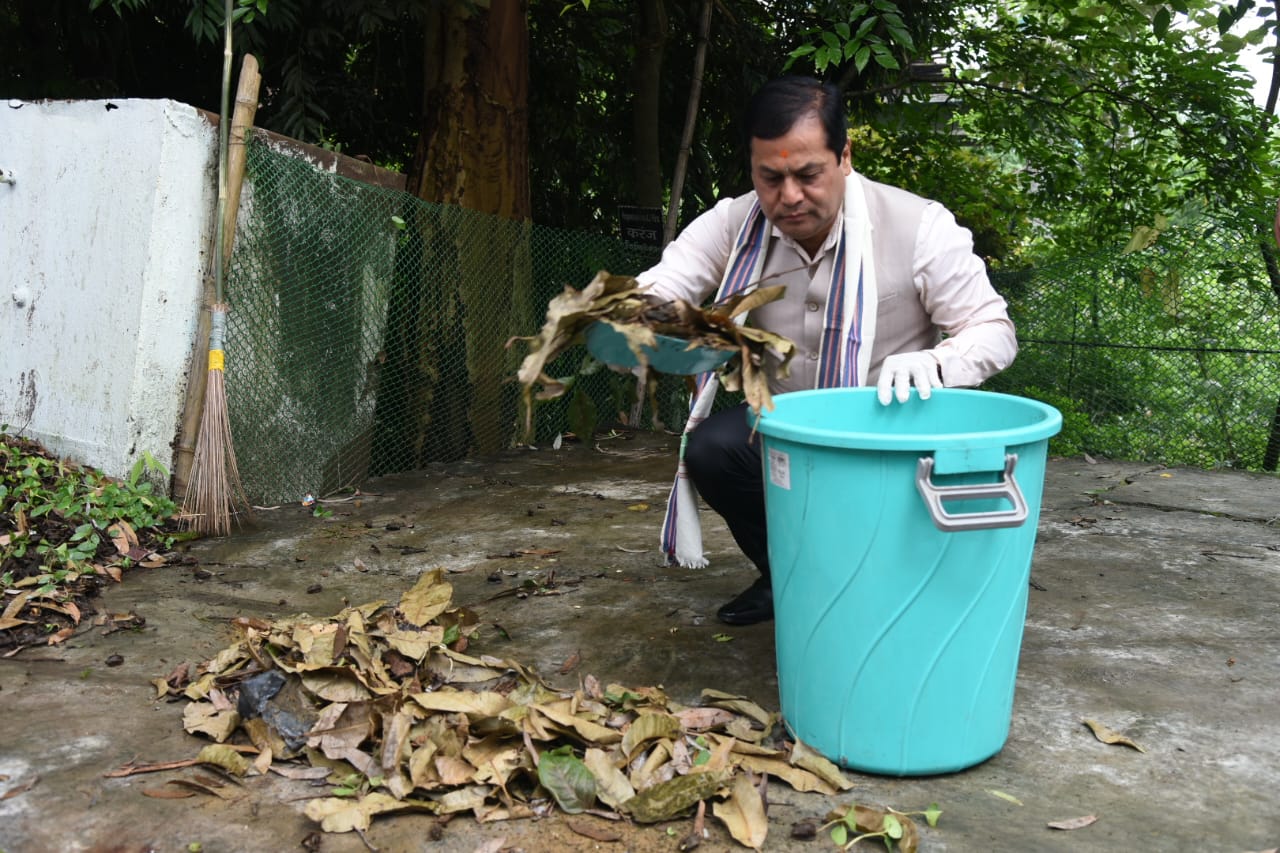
(843, 358)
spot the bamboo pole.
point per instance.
(246, 106)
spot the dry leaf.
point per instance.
(19, 789)
(429, 598)
(262, 763)
(293, 771)
(743, 813)
(647, 727)
(167, 793)
(341, 814)
(454, 771)
(466, 799)
(804, 756)
(1106, 735)
(612, 787)
(620, 301)
(199, 787)
(336, 685)
(587, 730)
(739, 705)
(701, 719)
(674, 797)
(204, 718)
(15, 606)
(464, 702)
(221, 755)
(1073, 823)
(800, 779)
(123, 537)
(1008, 798)
(594, 831)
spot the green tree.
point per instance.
(1105, 115)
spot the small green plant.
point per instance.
(356, 785)
(893, 827)
(701, 751)
(65, 514)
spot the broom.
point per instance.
(214, 489)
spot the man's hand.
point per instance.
(900, 372)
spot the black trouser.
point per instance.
(722, 459)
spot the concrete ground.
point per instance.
(1153, 610)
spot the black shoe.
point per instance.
(752, 606)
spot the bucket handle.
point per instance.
(1007, 488)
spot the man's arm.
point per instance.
(693, 264)
(957, 293)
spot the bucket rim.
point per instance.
(1046, 423)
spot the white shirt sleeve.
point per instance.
(979, 339)
(693, 264)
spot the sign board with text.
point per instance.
(641, 225)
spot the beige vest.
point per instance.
(902, 325)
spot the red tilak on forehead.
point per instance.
(783, 152)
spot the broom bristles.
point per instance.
(215, 488)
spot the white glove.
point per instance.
(899, 372)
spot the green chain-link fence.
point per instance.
(1168, 354)
(368, 335)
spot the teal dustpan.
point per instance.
(671, 355)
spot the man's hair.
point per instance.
(779, 104)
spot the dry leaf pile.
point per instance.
(382, 701)
(621, 302)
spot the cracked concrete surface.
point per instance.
(1153, 610)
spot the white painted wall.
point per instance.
(104, 230)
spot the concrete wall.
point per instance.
(106, 212)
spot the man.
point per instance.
(882, 287)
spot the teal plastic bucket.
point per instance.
(900, 542)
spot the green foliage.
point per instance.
(1103, 116)
(1164, 354)
(1076, 435)
(870, 31)
(85, 502)
(205, 18)
(986, 197)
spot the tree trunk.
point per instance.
(471, 276)
(690, 122)
(1273, 90)
(647, 90)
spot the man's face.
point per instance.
(800, 181)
